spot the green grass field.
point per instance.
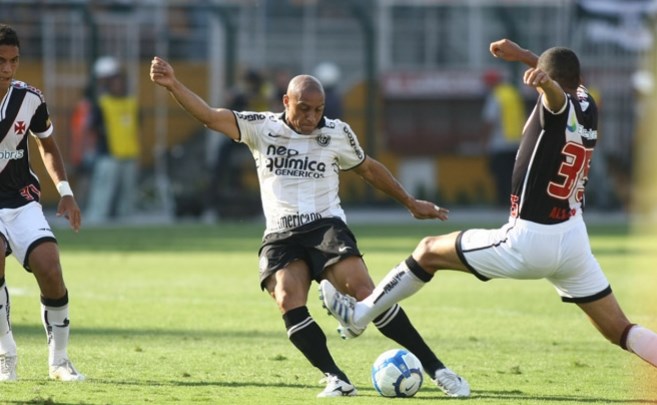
(174, 314)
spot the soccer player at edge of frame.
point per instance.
(545, 236)
(24, 230)
(299, 154)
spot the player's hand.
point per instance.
(507, 50)
(535, 78)
(162, 72)
(68, 208)
(421, 209)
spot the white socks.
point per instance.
(55, 321)
(7, 343)
(643, 343)
(398, 284)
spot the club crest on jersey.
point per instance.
(323, 140)
(19, 127)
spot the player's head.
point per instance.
(9, 55)
(304, 103)
(8, 36)
(562, 65)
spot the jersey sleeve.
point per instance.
(250, 124)
(558, 112)
(40, 126)
(351, 154)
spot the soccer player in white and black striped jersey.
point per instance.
(299, 155)
(545, 237)
(24, 230)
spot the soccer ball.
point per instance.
(397, 373)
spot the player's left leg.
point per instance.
(404, 280)
(43, 262)
(351, 276)
(607, 316)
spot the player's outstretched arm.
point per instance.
(554, 97)
(218, 119)
(376, 174)
(52, 160)
(512, 52)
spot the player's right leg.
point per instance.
(8, 352)
(289, 287)
(607, 316)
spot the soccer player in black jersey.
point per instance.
(24, 230)
(545, 236)
(299, 154)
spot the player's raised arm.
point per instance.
(218, 119)
(554, 95)
(512, 52)
(376, 174)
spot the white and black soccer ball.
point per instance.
(397, 373)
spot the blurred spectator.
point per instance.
(225, 186)
(329, 74)
(115, 123)
(503, 117)
(280, 78)
(83, 144)
(600, 192)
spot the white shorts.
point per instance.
(24, 228)
(522, 249)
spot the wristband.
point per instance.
(64, 189)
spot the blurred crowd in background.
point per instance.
(414, 79)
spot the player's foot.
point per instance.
(8, 367)
(451, 384)
(64, 371)
(342, 307)
(335, 387)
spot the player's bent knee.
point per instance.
(424, 248)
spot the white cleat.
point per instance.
(335, 387)
(64, 371)
(341, 307)
(8, 367)
(451, 383)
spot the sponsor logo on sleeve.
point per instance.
(250, 117)
(353, 143)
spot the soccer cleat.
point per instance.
(64, 371)
(8, 367)
(342, 307)
(451, 384)
(335, 387)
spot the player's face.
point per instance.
(304, 111)
(8, 64)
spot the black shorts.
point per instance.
(320, 244)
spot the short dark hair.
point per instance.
(562, 65)
(8, 36)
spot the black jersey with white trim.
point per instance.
(23, 111)
(298, 174)
(553, 161)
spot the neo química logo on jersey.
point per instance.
(284, 161)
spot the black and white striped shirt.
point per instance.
(553, 161)
(23, 111)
